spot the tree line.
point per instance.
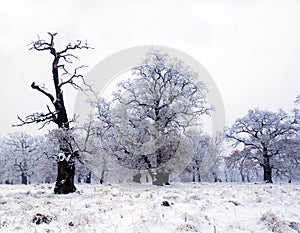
(262, 146)
(150, 130)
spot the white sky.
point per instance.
(250, 48)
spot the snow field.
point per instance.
(204, 208)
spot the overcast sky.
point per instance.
(250, 48)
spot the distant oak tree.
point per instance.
(260, 138)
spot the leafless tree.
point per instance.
(23, 158)
(62, 76)
(240, 163)
(262, 135)
(159, 103)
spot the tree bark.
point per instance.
(102, 176)
(24, 174)
(267, 167)
(267, 173)
(24, 178)
(161, 178)
(88, 179)
(137, 178)
(193, 176)
(248, 178)
(65, 177)
(242, 176)
(198, 174)
(226, 176)
(216, 178)
(66, 168)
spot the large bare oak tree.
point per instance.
(57, 113)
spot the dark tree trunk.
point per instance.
(102, 176)
(226, 176)
(79, 178)
(248, 178)
(88, 179)
(24, 172)
(242, 176)
(103, 173)
(24, 178)
(161, 178)
(8, 182)
(267, 173)
(193, 177)
(267, 167)
(137, 178)
(66, 168)
(216, 178)
(65, 177)
(198, 174)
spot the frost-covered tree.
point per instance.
(57, 113)
(237, 164)
(292, 148)
(213, 164)
(297, 101)
(206, 160)
(152, 111)
(94, 156)
(98, 147)
(24, 159)
(260, 138)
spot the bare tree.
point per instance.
(197, 170)
(195, 166)
(240, 163)
(93, 154)
(62, 76)
(22, 157)
(262, 135)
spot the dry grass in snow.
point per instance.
(204, 208)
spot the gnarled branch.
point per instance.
(36, 87)
(75, 79)
(44, 118)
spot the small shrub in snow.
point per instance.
(272, 221)
(71, 224)
(165, 203)
(3, 223)
(187, 228)
(41, 218)
(295, 226)
(277, 225)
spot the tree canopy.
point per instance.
(263, 135)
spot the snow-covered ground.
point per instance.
(205, 208)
